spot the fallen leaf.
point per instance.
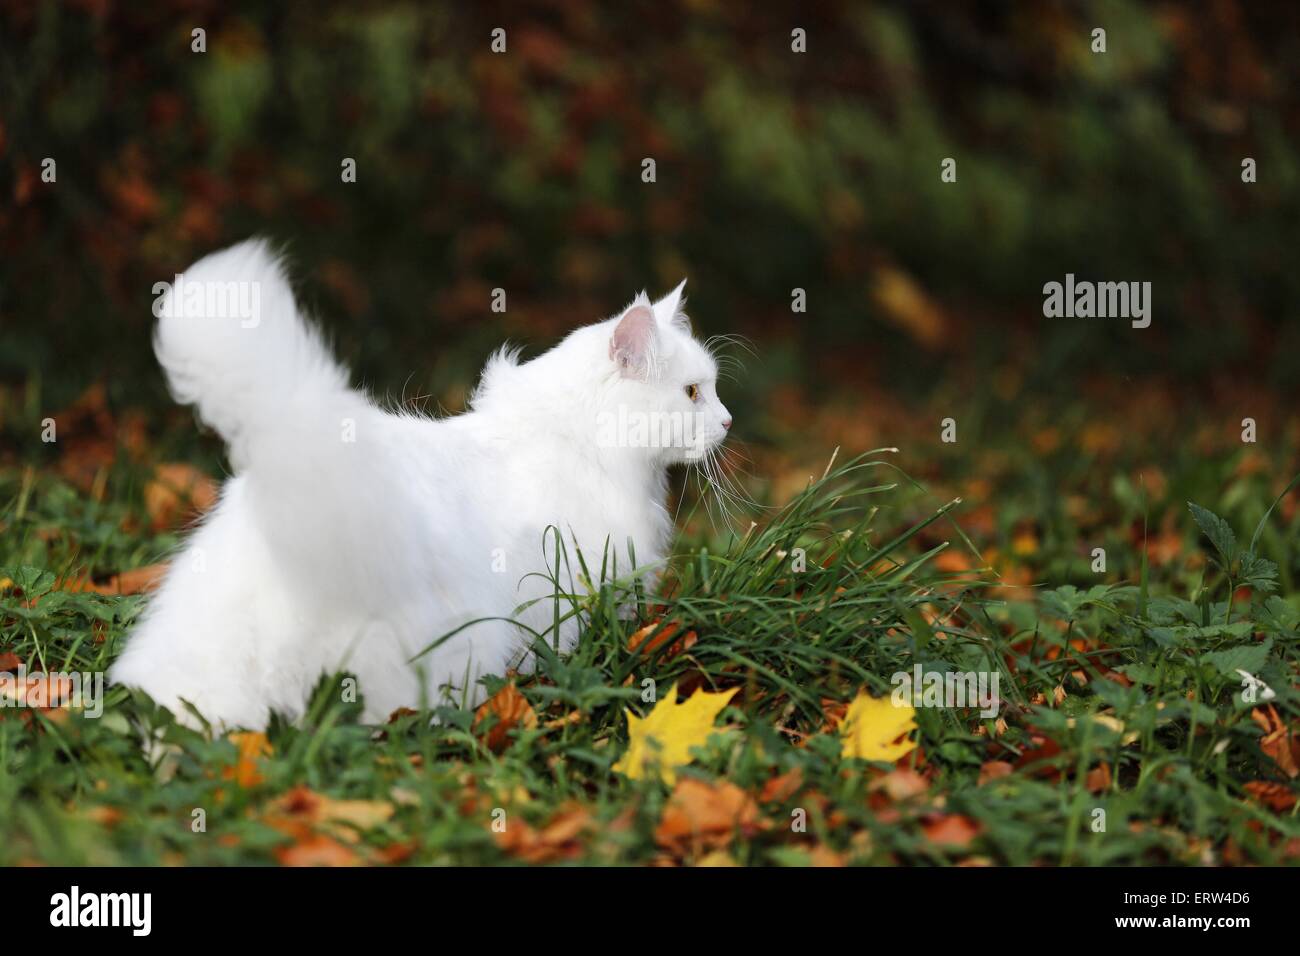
(952, 830)
(176, 491)
(252, 747)
(135, 581)
(901, 784)
(718, 858)
(1277, 796)
(304, 815)
(104, 816)
(661, 742)
(701, 816)
(318, 850)
(557, 840)
(642, 641)
(908, 306)
(501, 713)
(1278, 741)
(874, 728)
(1098, 779)
(994, 770)
(782, 788)
(823, 856)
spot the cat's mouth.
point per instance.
(697, 453)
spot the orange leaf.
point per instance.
(701, 815)
(901, 784)
(175, 491)
(1278, 740)
(511, 709)
(557, 840)
(1098, 779)
(643, 642)
(994, 770)
(782, 788)
(317, 850)
(252, 747)
(1272, 794)
(953, 830)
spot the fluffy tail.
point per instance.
(234, 345)
(324, 470)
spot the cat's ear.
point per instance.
(669, 309)
(632, 346)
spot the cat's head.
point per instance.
(664, 397)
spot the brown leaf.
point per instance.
(175, 492)
(908, 306)
(557, 840)
(952, 830)
(135, 581)
(1277, 796)
(994, 770)
(320, 825)
(901, 784)
(1036, 759)
(251, 747)
(510, 709)
(1278, 740)
(700, 816)
(782, 788)
(316, 850)
(1098, 780)
(643, 642)
(824, 856)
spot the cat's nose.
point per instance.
(726, 423)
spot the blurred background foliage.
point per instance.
(775, 171)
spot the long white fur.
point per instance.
(328, 554)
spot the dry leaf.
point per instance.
(252, 747)
(994, 770)
(135, 581)
(1278, 740)
(1098, 779)
(700, 816)
(557, 840)
(909, 307)
(175, 492)
(501, 713)
(953, 830)
(643, 642)
(901, 784)
(317, 850)
(1277, 796)
(782, 788)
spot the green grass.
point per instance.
(830, 595)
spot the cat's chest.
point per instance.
(593, 506)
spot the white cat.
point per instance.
(352, 538)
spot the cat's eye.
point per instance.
(693, 392)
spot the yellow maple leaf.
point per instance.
(661, 742)
(875, 728)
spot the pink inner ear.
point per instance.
(633, 340)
